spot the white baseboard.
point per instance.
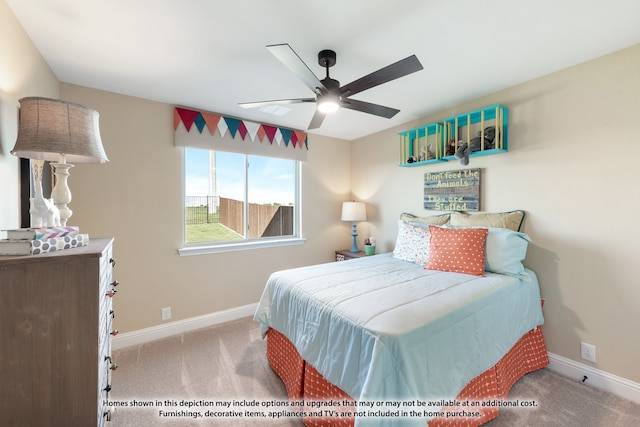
(595, 377)
(141, 336)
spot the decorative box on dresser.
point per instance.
(56, 320)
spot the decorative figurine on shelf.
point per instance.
(465, 150)
(451, 147)
(411, 159)
(425, 154)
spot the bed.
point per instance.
(397, 339)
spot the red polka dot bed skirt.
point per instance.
(303, 382)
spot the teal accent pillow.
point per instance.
(505, 249)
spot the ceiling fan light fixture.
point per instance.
(328, 103)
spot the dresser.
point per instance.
(56, 321)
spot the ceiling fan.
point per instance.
(329, 95)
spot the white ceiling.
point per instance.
(211, 55)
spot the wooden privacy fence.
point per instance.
(264, 220)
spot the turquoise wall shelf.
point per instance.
(446, 135)
(422, 146)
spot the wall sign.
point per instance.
(457, 190)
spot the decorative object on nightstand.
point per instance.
(370, 246)
(354, 211)
(346, 254)
(61, 131)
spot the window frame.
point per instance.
(199, 248)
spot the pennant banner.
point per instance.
(199, 120)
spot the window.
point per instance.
(234, 200)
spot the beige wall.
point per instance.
(23, 72)
(137, 198)
(572, 165)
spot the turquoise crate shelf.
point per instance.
(466, 126)
(412, 141)
(421, 163)
(461, 127)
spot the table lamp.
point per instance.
(59, 131)
(354, 211)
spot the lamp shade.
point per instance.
(49, 128)
(354, 211)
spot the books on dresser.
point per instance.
(15, 247)
(41, 233)
(42, 240)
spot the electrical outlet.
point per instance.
(588, 352)
(166, 313)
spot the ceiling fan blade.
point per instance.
(367, 107)
(399, 69)
(275, 101)
(316, 120)
(292, 61)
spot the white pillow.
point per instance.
(412, 243)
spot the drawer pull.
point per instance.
(108, 414)
(114, 332)
(107, 388)
(111, 293)
(112, 262)
(113, 366)
(115, 283)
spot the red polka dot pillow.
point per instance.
(459, 250)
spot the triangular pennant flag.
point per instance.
(233, 125)
(222, 127)
(286, 135)
(271, 132)
(211, 120)
(176, 119)
(302, 136)
(278, 136)
(199, 122)
(261, 133)
(243, 130)
(187, 116)
(252, 128)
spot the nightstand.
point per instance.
(345, 255)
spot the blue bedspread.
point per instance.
(383, 329)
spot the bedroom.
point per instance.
(579, 198)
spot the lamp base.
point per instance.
(354, 247)
(61, 193)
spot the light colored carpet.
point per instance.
(227, 362)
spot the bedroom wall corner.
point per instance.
(23, 72)
(571, 167)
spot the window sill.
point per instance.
(231, 247)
